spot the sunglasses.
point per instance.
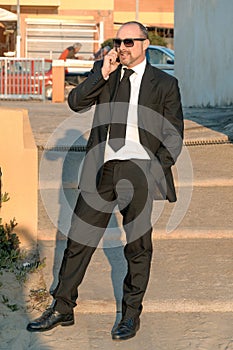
(129, 42)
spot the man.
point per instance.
(71, 52)
(127, 163)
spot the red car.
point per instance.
(25, 77)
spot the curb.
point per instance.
(82, 148)
(151, 306)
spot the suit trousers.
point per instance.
(124, 183)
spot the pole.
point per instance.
(101, 34)
(18, 37)
(136, 10)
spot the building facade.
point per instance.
(45, 28)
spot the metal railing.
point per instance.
(23, 78)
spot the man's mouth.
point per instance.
(123, 55)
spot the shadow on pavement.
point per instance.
(59, 201)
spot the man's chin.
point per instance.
(124, 59)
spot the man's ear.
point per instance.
(146, 43)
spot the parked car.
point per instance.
(161, 57)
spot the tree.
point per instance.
(156, 39)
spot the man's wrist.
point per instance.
(105, 76)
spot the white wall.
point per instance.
(204, 51)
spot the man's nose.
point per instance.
(122, 44)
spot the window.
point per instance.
(157, 57)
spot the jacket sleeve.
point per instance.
(85, 95)
(173, 127)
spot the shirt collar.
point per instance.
(139, 68)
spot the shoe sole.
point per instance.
(63, 324)
(115, 337)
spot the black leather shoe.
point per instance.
(50, 319)
(126, 329)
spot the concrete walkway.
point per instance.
(189, 302)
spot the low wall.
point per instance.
(19, 164)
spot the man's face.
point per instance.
(131, 56)
(76, 49)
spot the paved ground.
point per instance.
(189, 302)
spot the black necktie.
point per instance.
(120, 111)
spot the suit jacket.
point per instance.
(160, 122)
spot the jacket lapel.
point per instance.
(147, 85)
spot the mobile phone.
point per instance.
(118, 59)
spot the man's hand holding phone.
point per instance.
(111, 62)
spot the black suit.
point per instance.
(159, 93)
(160, 123)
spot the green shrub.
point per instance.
(156, 39)
(9, 244)
(108, 42)
(9, 241)
(12, 258)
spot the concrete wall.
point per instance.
(204, 51)
(18, 161)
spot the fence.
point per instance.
(24, 78)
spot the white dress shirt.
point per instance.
(132, 148)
